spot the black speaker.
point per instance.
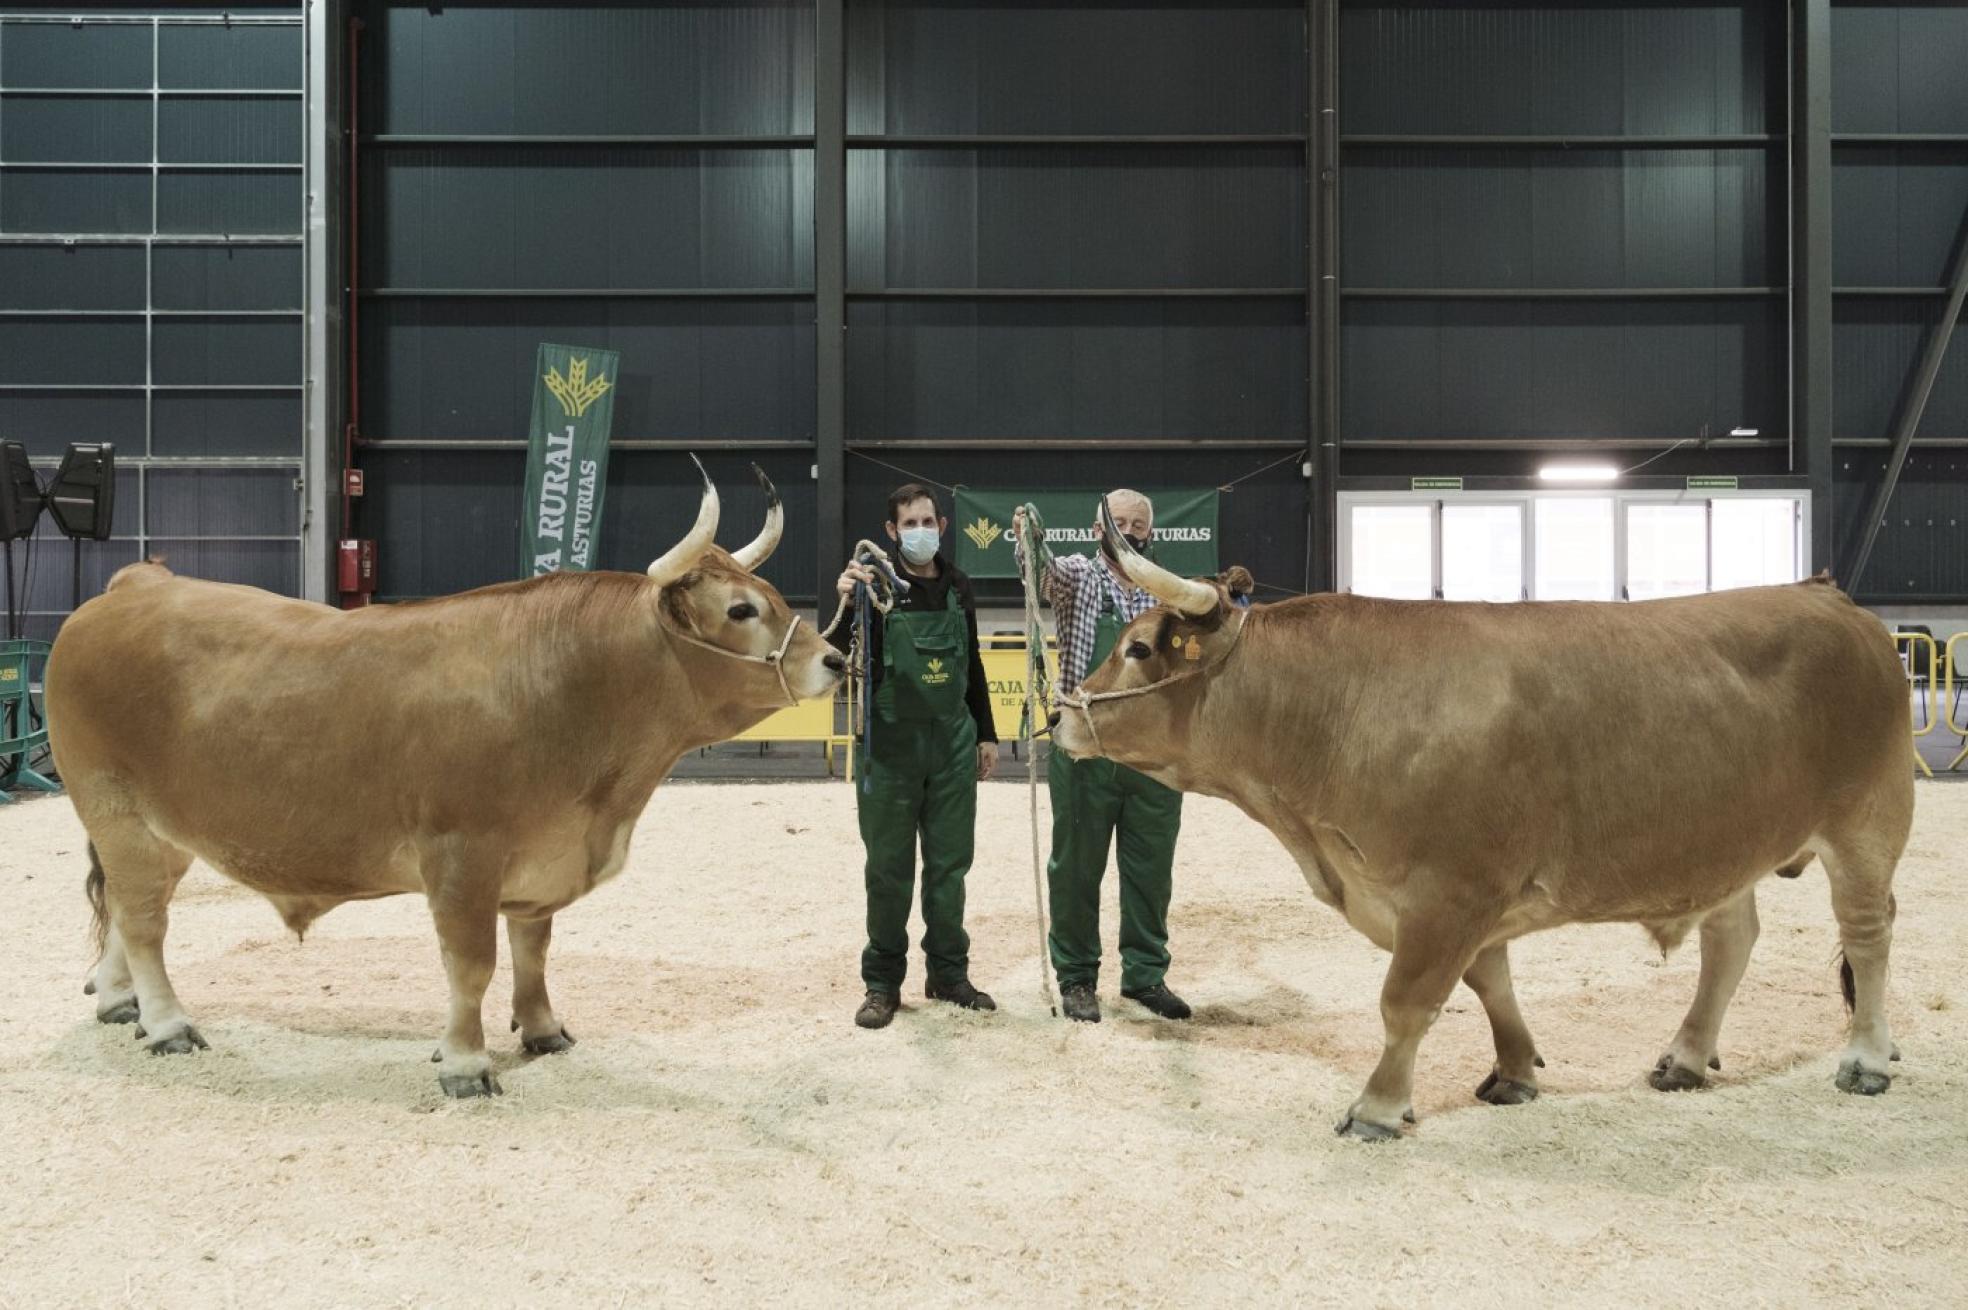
(82, 496)
(20, 493)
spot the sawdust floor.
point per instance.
(724, 1134)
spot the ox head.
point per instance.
(1140, 706)
(714, 601)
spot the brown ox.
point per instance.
(490, 750)
(1450, 777)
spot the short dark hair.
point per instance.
(908, 494)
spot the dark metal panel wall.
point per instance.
(1561, 223)
(1142, 370)
(1919, 555)
(1564, 218)
(151, 278)
(637, 177)
(1528, 68)
(1900, 197)
(1445, 371)
(1019, 68)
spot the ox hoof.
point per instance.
(464, 1086)
(1671, 1077)
(1360, 1130)
(1860, 1081)
(183, 1042)
(1896, 1053)
(121, 1012)
(89, 987)
(550, 1044)
(1498, 1090)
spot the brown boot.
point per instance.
(877, 1008)
(961, 993)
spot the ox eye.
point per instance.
(1138, 650)
(743, 610)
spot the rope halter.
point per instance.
(777, 659)
(1084, 701)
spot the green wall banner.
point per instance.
(1184, 541)
(567, 463)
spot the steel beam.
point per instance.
(1929, 368)
(1810, 263)
(830, 287)
(1322, 309)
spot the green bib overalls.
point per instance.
(919, 777)
(1090, 800)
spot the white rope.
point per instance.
(1034, 675)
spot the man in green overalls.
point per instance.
(930, 742)
(1097, 802)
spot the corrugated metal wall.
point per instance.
(1525, 259)
(1900, 209)
(475, 250)
(151, 280)
(633, 177)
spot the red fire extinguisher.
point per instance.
(355, 572)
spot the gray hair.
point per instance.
(1121, 497)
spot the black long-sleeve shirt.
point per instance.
(933, 595)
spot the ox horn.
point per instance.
(750, 557)
(683, 556)
(1184, 595)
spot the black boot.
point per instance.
(960, 993)
(1160, 1000)
(1080, 1002)
(877, 1008)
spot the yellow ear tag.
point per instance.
(1193, 651)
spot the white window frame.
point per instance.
(1528, 516)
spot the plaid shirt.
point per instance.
(1074, 585)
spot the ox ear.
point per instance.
(683, 556)
(1186, 596)
(750, 557)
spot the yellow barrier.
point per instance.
(810, 720)
(1004, 671)
(1949, 699)
(1930, 708)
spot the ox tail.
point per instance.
(1846, 985)
(95, 888)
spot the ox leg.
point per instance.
(533, 1016)
(1728, 935)
(110, 984)
(1430, 955)
(1862, 898)
(1514, 1079)
(464, 902)
(140, 872)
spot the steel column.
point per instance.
(830, 287)
(1810, 263)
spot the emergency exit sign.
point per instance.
(1434, 484)
(1711, 483)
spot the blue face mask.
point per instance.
(919, 544)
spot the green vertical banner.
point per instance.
(567, 461)
(1184, 540)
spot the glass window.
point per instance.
(1754, 542)
(1574, 536)
(1482, 552)
(1393, 549)
(1666, 550)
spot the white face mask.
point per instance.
(919, 544)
